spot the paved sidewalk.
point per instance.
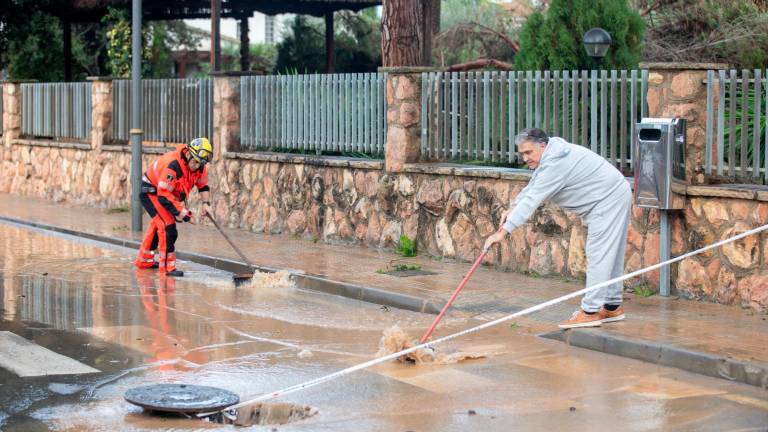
(715, 340)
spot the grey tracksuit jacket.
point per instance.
(580, 181)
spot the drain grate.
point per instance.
(409, 273)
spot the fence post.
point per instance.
(101, 116)
(403, 143)
(12, 110)
(677, 90)
(226, 113)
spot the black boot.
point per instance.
(175, 273)
(155, 265)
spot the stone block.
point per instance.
(715, 212)
(655, 78)
(410, 114)
(743, 253)
(684, 85)
(406, 87)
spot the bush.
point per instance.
(553, 40)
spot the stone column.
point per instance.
(226, 113)
(101, 116)
(11, 111)
(678, 90)
(403, 116)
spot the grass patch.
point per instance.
(407, 247)
(399, 267)
(515, 326)
(407, 267)
(315, 238)
(114, 210)
(644, 290)
(295, 236)
(532, 274)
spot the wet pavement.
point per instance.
(84, 301)
(723, 331)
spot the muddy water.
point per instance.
(87, 302)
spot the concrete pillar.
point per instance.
(11, 111)
(101, 116)
(403, 116)
(226, 113)
(678, 90)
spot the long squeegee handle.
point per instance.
(453, 297)
(231, 243)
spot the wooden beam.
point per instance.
(215, 35)
(245, 51)
(67, 28)
(330, 49)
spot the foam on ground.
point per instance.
(396, 339)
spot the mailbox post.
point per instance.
(659, 162)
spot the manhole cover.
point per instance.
(181, 398)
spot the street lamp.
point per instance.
(596, 42)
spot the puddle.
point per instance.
(65, 389)
(265, 414)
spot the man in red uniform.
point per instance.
(165, 186)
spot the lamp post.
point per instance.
(596, 42)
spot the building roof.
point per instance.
(93, 10)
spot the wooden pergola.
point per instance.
(79, 11)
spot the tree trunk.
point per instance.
(435, 15)
(402, 27)
(431, 26)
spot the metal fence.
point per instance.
(476, 115)
(173, 110)
(56, 110)
(335, 112)
(58, 303)
(736, 133)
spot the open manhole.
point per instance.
(264, 414)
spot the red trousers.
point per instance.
(161, 236)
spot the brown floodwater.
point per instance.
(85, 301)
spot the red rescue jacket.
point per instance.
(173, 179)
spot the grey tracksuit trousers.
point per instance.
(607, 228)
(581, 181)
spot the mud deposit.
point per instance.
(266, 414)
(260, 280)
(396, 339)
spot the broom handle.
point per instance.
(453, 297)
(226, 237)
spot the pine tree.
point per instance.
(554, 40)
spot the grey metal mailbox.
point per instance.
(659, 162)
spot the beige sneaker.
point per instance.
(583, 319)
(611, 316)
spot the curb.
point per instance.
(302, 280)
(742, 371)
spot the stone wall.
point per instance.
(448, 209)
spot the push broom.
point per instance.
(455, 294)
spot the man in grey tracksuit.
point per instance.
(578, 180)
